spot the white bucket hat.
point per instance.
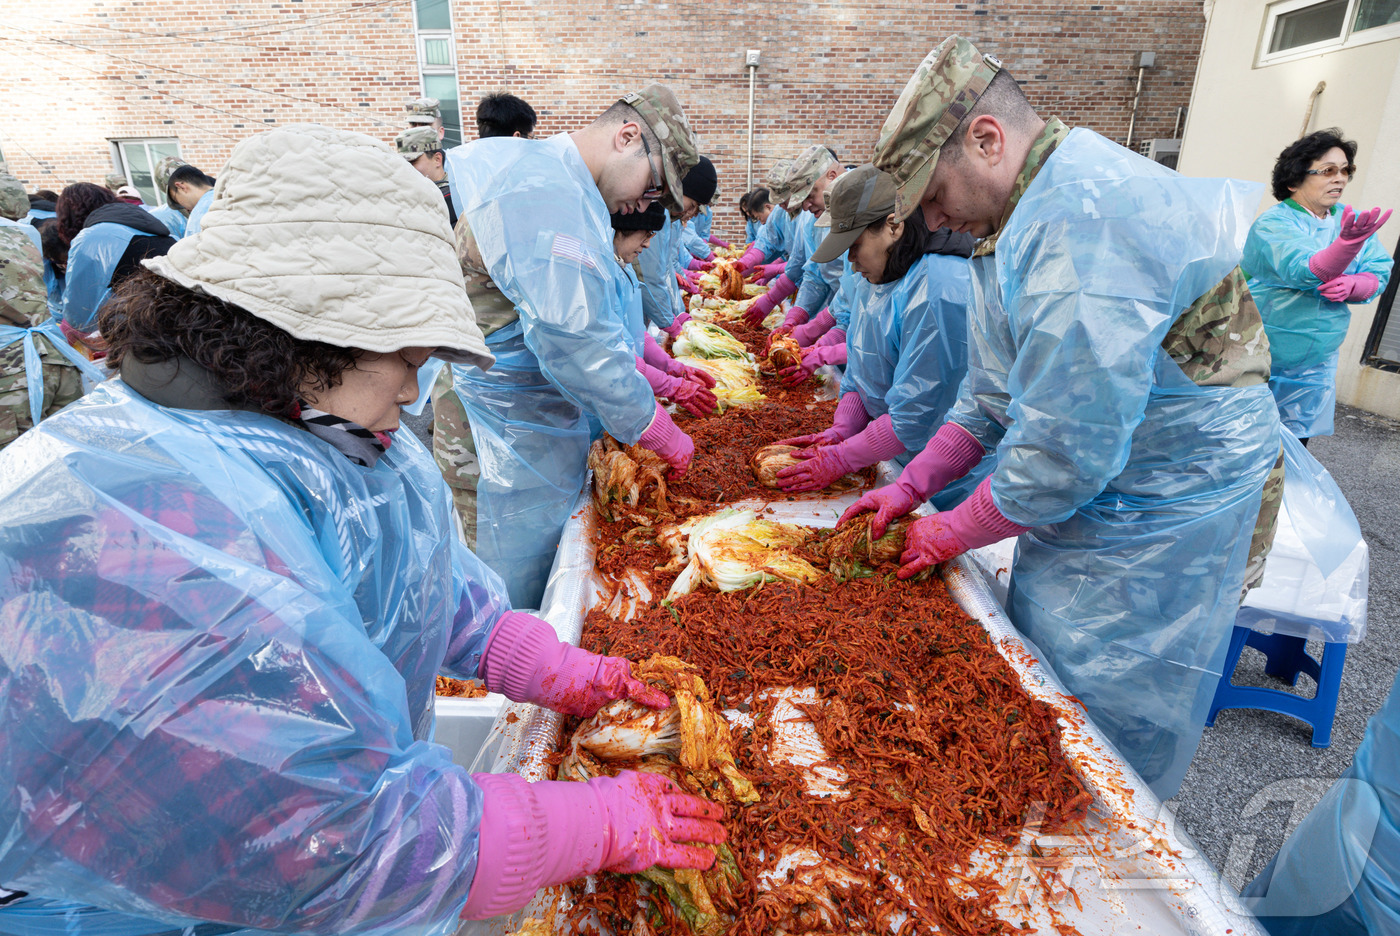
(332, 237)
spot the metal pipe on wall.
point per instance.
(1145, 61)
(751, 63)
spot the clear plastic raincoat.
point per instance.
(907, 354)
(217, 678)
(1338, 874)
(196, 218)
(1305, 330)
(775, 237)
(800, 247)
(656, 270)
(92, 259)
(1142, 488)
(173, 218)
(545, 234)
(692, 244)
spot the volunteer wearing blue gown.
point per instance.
(227, 585)
(107, 239)
(1307, 258)
(664, 265)
(537, 246)
(908, 341)
(1118, 369)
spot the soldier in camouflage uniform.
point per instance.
(535, 242)
(1118, 368)
(24, 305)
(426, 112)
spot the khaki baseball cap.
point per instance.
(944, 88)
(680, 151)
(807, 168)
(415, 141)
(423, 110)
(858, 199)
(164, 170)
(777, 180)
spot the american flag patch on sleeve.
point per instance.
(568, 247)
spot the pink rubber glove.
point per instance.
(812, 358)
(751, 257)
(525, 661)
(695, 398)
(1350, 287)
(657, 357)
(716, 242)
(974, 523)
(782, 288)
(950, 454)
(1332, 261)
(808, 333)
(674, 329)
(702, 377)
(850, 418)
(687, 285)
(663, 438)
(794, 317)
(821, 466)
(535, 835)
(836, 336)
(662, 384)
(769, 270)
(699, 265)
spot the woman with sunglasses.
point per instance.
(1307, 257)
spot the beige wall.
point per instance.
(1242, 116)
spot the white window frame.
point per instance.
(427, 35)
(1348, 39)
(119, 157)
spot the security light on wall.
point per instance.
(751, 58)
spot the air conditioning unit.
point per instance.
(1164, 152)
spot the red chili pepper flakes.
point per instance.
(974, 755)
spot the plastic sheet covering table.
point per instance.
(1132, 871)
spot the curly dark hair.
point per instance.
(256, 363)
(1291, 167)
(75, 204)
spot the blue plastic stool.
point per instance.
(1287, 657)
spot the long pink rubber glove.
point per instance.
(769, 270)
(950, 454)
(525, 660)
(662, 384)
(782, 288)
(656, 356)
(687, 285)
(812, 358)
(750, 258)
(974, 523)
(674, 329)
(699, 265)
(821, 466)
(535, 835)
(716, 242)
(851, 417)
(692, 396)
(1350, 287)
(834, 336)
(663, 438)
(1332, 261)
(807, 334)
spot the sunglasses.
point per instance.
(1331, 172)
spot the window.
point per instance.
(1383, 344)
(1297, 28)
(437, 64)
(137, 159)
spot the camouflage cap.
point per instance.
(777, 180)
(944, 88)
(14, 200)
(113, 181)
(423, 110)
(415, 141)
(807, 168)
(680, 151)
(164, 170)
(856, 200)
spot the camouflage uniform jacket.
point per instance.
(24, 304)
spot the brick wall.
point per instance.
(88, 72)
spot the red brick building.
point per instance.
(98, 85)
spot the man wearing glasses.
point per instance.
(535, 241)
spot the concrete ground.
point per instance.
(1256, 774)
